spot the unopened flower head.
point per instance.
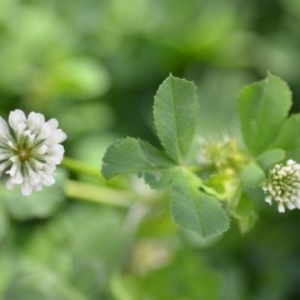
(30, 150)
(221, 154)
(283, 186)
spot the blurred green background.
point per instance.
(95, 66)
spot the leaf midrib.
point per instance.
(175, 123)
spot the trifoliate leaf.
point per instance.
(195, 210)
(263, 107)
(176, 116)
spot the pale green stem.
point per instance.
(114, 192)
(99, 194)
(82, 168)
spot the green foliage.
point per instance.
(175, 114)
(196, 210)
(195, 204)
(29, 283)
(288, 137)
(164, 285)
(267, 159)
(253, 175)
(37, 205)
(245, 214)
(94, 65)
(269, 133)
(263, 107)
(176, 117)
(3, 224)
(79, 78)
(136, 156)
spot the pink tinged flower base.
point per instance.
(30, 150)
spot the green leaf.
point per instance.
(130, 155)
(253, 175)
(176, 116)
(263, 107)
(195, 210)
(267, 159)
(245, 214)
(288, 137)
(218, 185)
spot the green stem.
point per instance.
(99, 194)
(82, 168)
(114, 192)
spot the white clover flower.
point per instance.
(283, 186)
(30, 150)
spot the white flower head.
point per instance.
(30, 150)
(283, 186)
